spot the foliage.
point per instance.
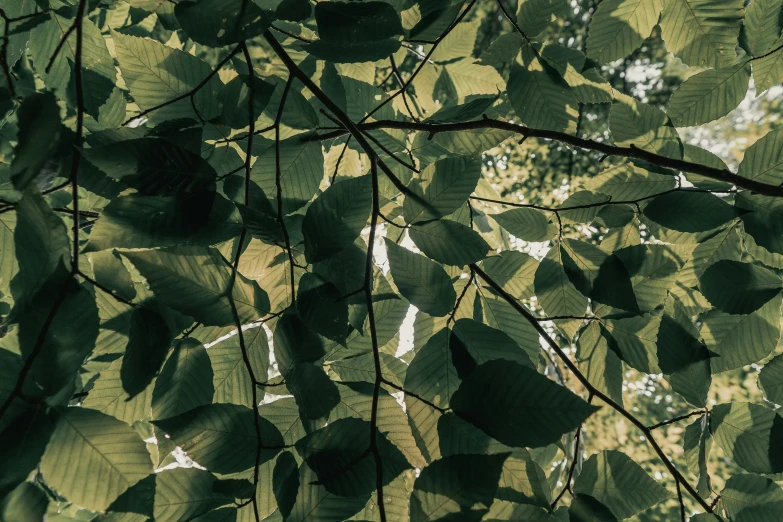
(224, 220)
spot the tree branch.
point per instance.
(375, 162)
(583, 143)
(524, 312)
(423, 62)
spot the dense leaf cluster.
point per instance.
(218, 214)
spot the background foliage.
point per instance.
(391, 260)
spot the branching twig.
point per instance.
(423, 62)
(192, 93)
(524, 312)
(582, 143)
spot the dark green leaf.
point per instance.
(422, 282)
(148, 343)
(689, 211)
(739, 288)
(221, 22)
(336, 218)
(449, 242)
(619, 483)
(542, 410)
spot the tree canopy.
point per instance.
(391, 260)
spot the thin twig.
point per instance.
(415, 396)
(423, 62)
(105, 290)
(190, 94)
(524, 312)
(676, 419)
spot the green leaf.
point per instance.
(463, 112)
(70, 336)
(93, 458)
(236, 21)
(148, 343)
(599, 363)
(315, 393)
(355, 32)
(504, 510)
(643, 126)
(619, 483)
(618, 27)
(635, 341)
(156, 74)
(301, 172)
(727, 335)
(230, 379)
(739, 288)
(763, 161)
(337, 454)
(294, 342)
(153, 166)
(40, 132)
(314, 502)
(682, 358)
(196, 282)
(322, 307)
(527, 224)
(422, 282)
(40, 244)
(689, 211)
(752, 498)
(365, 22)
(584, 206)
(557, 295)
(21, 445)
(235, 97)
(485, 343)
(534, 16)
(185, 381)
(444, 187)
(541, 98)
(701, 33)
(768, 69)
(750, 434)
(653, 270)
(542, 411)
(697, 442)
(222, 437)
(431, 374)
(449, 242)
(108, 396)
(460, 486)
(585, 508)
(762, 25)
(514, 271)
(336, 218)
(602, 277)
(183, 494)
(26, 503)
(771, 380)
(163, 221)
(708, 95)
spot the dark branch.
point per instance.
(415, 396)
(676, 419)
(524, 312)
(604, 148)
